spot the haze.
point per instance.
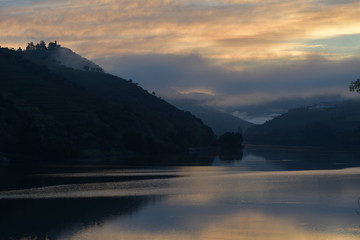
(253, 58)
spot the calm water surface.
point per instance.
(268, 194)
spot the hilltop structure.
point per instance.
(53, 45)
(55, 55)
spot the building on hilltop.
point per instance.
(53, 45)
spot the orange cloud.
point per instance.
(223, 31)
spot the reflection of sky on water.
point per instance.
(277, 158)
(249, 162)
(243, 226)
(222, 203)
(296, 205)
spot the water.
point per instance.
(269, 194)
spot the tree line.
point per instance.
(41, 46)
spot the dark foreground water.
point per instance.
(269, 194)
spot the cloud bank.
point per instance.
(238, 52)
(305, 79)
(227, 32)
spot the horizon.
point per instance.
(254, 59)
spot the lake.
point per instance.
(263, 193)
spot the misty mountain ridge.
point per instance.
(220, 122)
(326, 124)
(323, 106)
(50, 111)
(54, 55)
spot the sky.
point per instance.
(251, 58)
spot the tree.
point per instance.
(231, 140)
(355, 86)
(98, 69)
(42, 45)
(30, 46)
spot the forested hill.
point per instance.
(60, 112)
(324, 125)
(54, 56)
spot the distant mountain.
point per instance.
(51, 111)
(323, 124)
(220, 122)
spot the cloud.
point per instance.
(261, 89)
(226, 32)
(187, 72)
(242, 52)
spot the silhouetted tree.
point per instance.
(30, 46)
(231, 140)
(86, 68)
(42, 45)
(355, 86)
(39, 46)
(98, 69)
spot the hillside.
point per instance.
(54, 56)
(76, 113)
(220, 122)
(328, 125)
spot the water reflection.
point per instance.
(61, 218)
(231, 154)
(305, 158)
(239, 226)
(204, 203)
(22, 176)
(249, 196)
(228, 205)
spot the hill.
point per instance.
(220, 122)
(62, 112)
(54, 56)
(325, 125)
